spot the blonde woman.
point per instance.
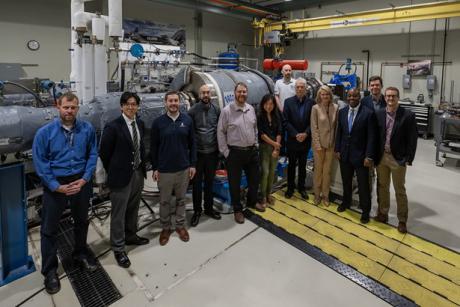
(323, 125)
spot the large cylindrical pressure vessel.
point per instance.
(222, 84)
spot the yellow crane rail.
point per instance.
(366, 18)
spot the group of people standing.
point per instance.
(186, 146)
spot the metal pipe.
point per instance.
(367, 72)
(446, 25)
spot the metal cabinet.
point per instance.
(423, 116)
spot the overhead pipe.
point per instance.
(272, 64)
(194, 5)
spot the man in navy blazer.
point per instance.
(376, 100)
(123, 155)
(296, 113)
(355, 149)
(398, 135)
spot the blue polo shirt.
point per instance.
(172, 143)
(58, 152)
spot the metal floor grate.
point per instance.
(91, 288)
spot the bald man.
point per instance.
(284, 88)
(205, 116)
(355, 148)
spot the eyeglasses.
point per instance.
(131, 105)
(391, 96)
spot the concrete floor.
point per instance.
(225, 264)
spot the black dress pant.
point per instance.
(206, 166)
(54, 204)
(297, 158)
(362, 173)
(237, 161)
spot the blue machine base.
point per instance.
(19, 272)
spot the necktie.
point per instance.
(137, 153)
(350, 120)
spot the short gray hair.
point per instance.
(301, 80)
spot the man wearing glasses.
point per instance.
(397, 145)
(123, 155)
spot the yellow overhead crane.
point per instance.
(409, 13)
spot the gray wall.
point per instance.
(387, 43)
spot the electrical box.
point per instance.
(406, 81)
(272, 37)
(431, 82)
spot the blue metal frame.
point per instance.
(14, 259)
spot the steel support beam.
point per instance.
(367, 18)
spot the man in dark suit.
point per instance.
(397, 129)
(296, 113)
(123, 155)
(355, 148)
(376, 100)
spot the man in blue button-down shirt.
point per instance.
(65, 155)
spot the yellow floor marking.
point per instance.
(367, 267)
(411, 290)
(430, 263)
(352, 227)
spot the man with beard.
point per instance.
(205, 116)
(65, 155)
(375, 100)
(123, 155)
(237, 138)
(173, 156)
(297, 113)
(355, 149)
(285, 87)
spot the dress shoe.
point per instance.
(317, 201)
(183, 234)
(136, 240)
(303, 194)
(85, 262)
(164, 236)
(213, 214)
(52, 283)
(259, 207)
(402, 228)
(239, 217)
(122, 259)
(270, 200)
(364, 218)
(195, 219)
(341, 208)
(288, 194)
(382, 218)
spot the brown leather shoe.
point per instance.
(259, 207)
(183, 234)
(270, 200)
(164, 236)
(402, 228)
(382, 218)
(239, 217)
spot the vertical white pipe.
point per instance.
(100, 70)
(100, 57)
(88, 73)
(76, 6)
(98, 28)
(115, 18)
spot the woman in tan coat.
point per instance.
(323, 125)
